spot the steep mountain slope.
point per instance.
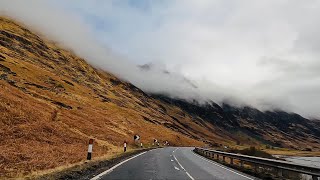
(52, 102)
(249, 125)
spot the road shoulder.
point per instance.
(90, 169)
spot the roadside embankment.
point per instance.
(86, 169)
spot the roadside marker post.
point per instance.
(89, 156)
(124, 146)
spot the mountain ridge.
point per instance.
(230, 118)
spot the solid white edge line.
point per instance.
(115, 166)
(181, 165)
(212, 162)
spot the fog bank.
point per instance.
(264, 54)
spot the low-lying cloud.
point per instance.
(259, 53)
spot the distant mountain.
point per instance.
(278, 128)
(52, 102)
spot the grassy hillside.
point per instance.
(52, 102)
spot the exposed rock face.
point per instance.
(276, 128)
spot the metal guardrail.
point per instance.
(277, 164)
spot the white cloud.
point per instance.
(261, 53)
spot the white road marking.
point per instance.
(182, 166)
(171, 159)
(212, 162)
(177, 168)
(115, 166)
(189, 175)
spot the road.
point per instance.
(172, 163)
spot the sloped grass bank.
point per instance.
(86, 169)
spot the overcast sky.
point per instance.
(261, 53)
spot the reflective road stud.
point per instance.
(90, 149)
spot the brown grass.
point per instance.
(289, 152)
(40, 131)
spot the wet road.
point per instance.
(172, 163)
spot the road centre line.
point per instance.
(181, 165)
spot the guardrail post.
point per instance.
(255, 168)
(231, 161)
(223, 159)
(279, 172)
(218, 157)
(314, 178)
(241, 163)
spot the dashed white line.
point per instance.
(114, 167)
(177, 168)
(222, 166)
(181, 165)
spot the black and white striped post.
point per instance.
(90, 149)
(124, 146)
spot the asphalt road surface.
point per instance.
(172, 163)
